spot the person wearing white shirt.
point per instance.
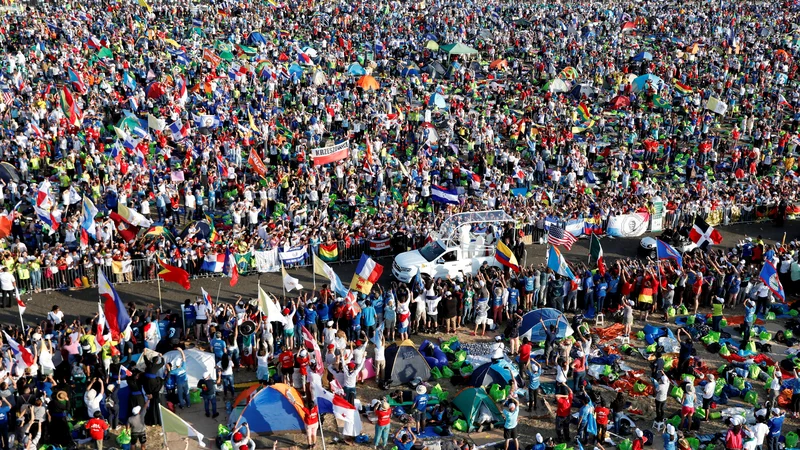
(498, 349)
(201, 320)
(55, 316)
(8, 285)
(708, 395)
(662, 391)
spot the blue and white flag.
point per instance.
(294, 255)
(666, 251)
(770, 277)
(444, 195)
(206, 121)
(177, 130)
(87, 217)
(557, 262)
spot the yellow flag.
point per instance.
(143, 4)
(253, 123)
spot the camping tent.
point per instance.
(458, 49)
(437, 100)
(556, 85)
(356, 69)
(641, 82)
(643, 56)
(620, 102)
(472, 401)
(197, 362)
(501, 372)
(532, 328)
(274, 409)
(368, 83)
(405, 363)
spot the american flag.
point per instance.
(559, 236)
(8, 95)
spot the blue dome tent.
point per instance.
(532, 329)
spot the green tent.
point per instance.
(105, 53)
(470, 401)
(458, 49)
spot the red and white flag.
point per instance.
(21, 353)
(347, 416)
(702, 232)
(101, 325)
(21, 304)
(312, 346)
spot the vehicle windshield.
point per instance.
(431, 251)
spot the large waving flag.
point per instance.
(171, 423)
(367, 274)
(770, 277)
(557, 262)
(269, 307)
(596, 253)
(230, 269)
(173, 274)
(207, 299)
(290, 283)
(444, 195)
(20, 304)
(20, 352)
(116, 315)
(346, 414)
(70, 108)
(76, 81)
(87, 217)
(666, 251)
(311, 345)
(506, 257)
(102, 323)
(324, 270)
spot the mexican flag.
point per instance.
(174, 424)
(596, 253)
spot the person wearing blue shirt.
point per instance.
(511, 414)
(534, 373)
(323, 311)
(218, 346)
(420, 407)
(601, 290)
(670, 438)
(530, 290)
(189, 314)
(370, 317)
(177, 368)
(588, 289)
(405, 438)
(5, 407)
(311, 320)
(513, 298)
(775, 425)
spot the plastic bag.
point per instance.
(447, 372)
(738, 383)
(711, 337)
(223, 431)
(722, 368)
(496, 393)
(466, 369)
(460, 425)
(751, 397)
(793, 313)
(690, 320)
(651, 348)
(607, 370)
(718, 388)
(700, 413)
(791, 438)
(770, 316)
(755, 370)
(124, 437)
(640, 335)
(461, 355)
(694, 443)
(625, 445)
(682, 311)
(436, 373)
(639, 387)
(671, 312)
(688, 377)
(765, 336)
(676, 393)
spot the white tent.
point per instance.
(197, 362)
(558, 85)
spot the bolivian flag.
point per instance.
(583, 113)
(682, 88)
(329, 252)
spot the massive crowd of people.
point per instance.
(151, 128)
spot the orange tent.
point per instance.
(368, 83)
(499, 64)
(245, 395)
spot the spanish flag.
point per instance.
(682, 88)
(329, 252)
(173, 274)
(506, 257)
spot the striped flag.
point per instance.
(559, 236)
(682, 88)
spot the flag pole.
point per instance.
(321, 434)
(22, 323)
(158, 280)
(219, 287)
(163, 431)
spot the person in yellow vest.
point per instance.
(716, 312)
(23, 274)
(35, 264)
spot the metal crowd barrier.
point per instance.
(142, 270)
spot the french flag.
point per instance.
(21, 353)
(443, 195)
(346, 414)
(117, 317)
(207, 298)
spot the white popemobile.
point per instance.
(464, 242)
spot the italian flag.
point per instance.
(171, 423)
(596, 254)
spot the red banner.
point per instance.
(256, 162)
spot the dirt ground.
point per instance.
(529, 423)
